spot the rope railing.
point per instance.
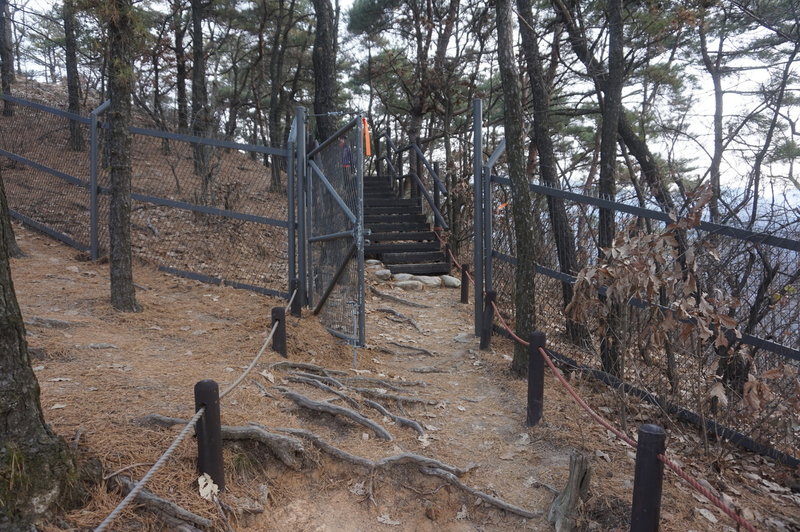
(185, 432)
(621, 435)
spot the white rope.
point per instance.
(182, 436)
(153, 470)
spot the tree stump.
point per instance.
(564, 509)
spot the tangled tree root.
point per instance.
(170, 513)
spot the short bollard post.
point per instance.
(296, 303)
(279, 338)
(209, 434)
(535, 379)
(488, 314)
(465, 283)
(648, 478)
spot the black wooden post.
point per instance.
(648, 479)
(279, 338)
(465, 283)
(296, 303)
(535, 379)
(488, 314)
(208, 430)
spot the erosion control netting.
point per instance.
(222, 218)
(57, 199)
(337, 290)
(679, 359)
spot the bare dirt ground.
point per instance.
(102, 371)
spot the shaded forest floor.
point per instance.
(102, 371)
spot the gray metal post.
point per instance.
(94, 244)
(360, 232)
(477, 172)
(290, 196)
(302, 237)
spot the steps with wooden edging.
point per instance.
(399, 234)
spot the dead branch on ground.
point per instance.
(401, 318)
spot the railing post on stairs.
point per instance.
(436, 197)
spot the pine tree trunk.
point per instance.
(35, 463)
(120, 35)
(6, 57)
(521, 205)
(324, 60)
(73, 84)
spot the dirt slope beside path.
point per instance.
(101, 372)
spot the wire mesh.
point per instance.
(680, 359)
(336, 286)
(52, 191)
(202, 208)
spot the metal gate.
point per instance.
(334, 232)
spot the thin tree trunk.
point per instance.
(521, 205)
(73, 83)
(120, 35)
(200, 111)
(610, 353)
(6, 58)
(540, 92)
(182, 101)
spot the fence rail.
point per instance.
(683, 380)
(203, 208)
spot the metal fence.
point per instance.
(202, 208)
(689, 373)
(333, 200)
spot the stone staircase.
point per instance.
(400, 236)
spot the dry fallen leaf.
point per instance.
(208, 490)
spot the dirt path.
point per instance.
(101, 371)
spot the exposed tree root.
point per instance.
(173, 515)
(322, 386)
(385, 384)
(305, 402)
(288, 450)
(414, 350)
(285, 365)
(321, 378)
(397, 419)
(392, 397)
(396, 299)
(402, 318)
(383, 463)
(485, 497)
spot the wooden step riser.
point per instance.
(399, 227)
(435, 268)
(406, 247)
(413, 258)
(418, 236)
(388, 210)
(393, 218)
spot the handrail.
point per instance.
(352, 123)
(434, 175)
(429, 199)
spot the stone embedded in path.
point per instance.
(450, 282)
(403, 277)
(373, 262)
(410, 285)
(383, 274)
(428, 281)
